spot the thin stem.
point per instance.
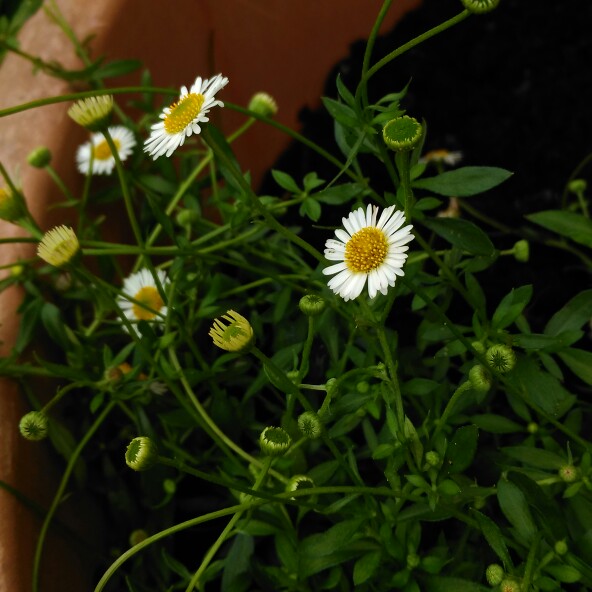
(465, 386)
(391, 367)
(60, 492)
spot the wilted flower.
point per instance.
(236, 336)
(93, 113)
(58, 246)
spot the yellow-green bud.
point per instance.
(33, 425)
(494, 574)
(532, 427)
(93, 113)
(480, 378)
(298, 482)
(332, 387)
(480, 6)
(263, 104)
(58, 246)
(236, 336)
(501, 358)
(561, 547)
(413, 560)
(137, 536)
(40, 157)
(509, 585)
(141, 453)
(362, 387)
(187, 218)
(522, 251)
(402, 133)
(310, 425)
(312, 305)
(569, 473)
(169, 486)
(577, 186)
(274, 441)
(11, 207)
(17, 270)
(433, 458)
(292, 375)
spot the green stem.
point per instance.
(402, 160)
(60, 492)
(391, 367)
(465, 386)
(306, 351)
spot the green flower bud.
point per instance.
(93, 113)
(236, 336)
(263, 104)
(11, 207)
(332, 387)
(137, 536)
(509, 585)
(312, 305)
(169, 486)
(577, 186)
(522, 251)
(480, 6)
(501, 358)
(433, 458)
(141, 454)
(494, 574)
(561, 547)
(362, 387)
(17, 270)
(402, 133)
(532, 427)
(292, 375)
(40, 157)
(33, 425)
(310, 425)
(274, 441)
(298, 482)
(569, 473)
(187, 218)
(480, 378)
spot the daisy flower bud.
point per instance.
(298, 482)
(93, 113)
(413, 560)
(509, 585)
(532, 427)
(11, 207)
(95, 156)
(501, 358)
(263, 104)
(40, 157)
(310, 425)
(181, 119)
(33, 425)
(235, 336)
(480, 378)
(368, 249)
(402, 133)
(137, 536)
(58, 246)
(274, 441)
(494, 574)
(433, 458)
(561, 547)
(141, 453)
(480, 6)
(522, 251)
(577, 186)
(569, 473)
(312, 305)
(187, 218)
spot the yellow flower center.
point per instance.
(149, 297)
(103, 152)
(183, 113)
(366, 250)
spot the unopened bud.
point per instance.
(501, 358)
(433, 458)
(137, 536)
(480, 6)
(274, 441)
(33, 425)
(561, 547)
(141, 454)
(494, 574)
(299, 482)
(569, 473)
(310, 425)
(312, 305)
(263, 104)
(480, 378)
(577, 186)
(402, 133)
(522, 251)
(40, 157)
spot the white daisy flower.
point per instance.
(368, 250)
(103, 161)
(442, 155)
(181, 119)
(140, 299)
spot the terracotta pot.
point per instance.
(283, 48)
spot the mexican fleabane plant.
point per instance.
(314, 390)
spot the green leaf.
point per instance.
(516, 509)
(568, 224)
(579, 361)
(462, 448)
(285, 181)
(311, 208)
(446, 584)
(511, 307)
(576, 313)
(493, 535)
(344, 92)
(53, 322)
(117, 68)
(341, 112)
(339, 194)
(464, 181)
(365, 567)
(496, 424)
(462, 234)
(548, 343)
(564, 573)
(535, 457)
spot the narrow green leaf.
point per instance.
(365, 567)
(573, 315)
(568, 224)
(344, 92)
(516, 509)
(496, 424)
(535, 457)
(446, 584)
(511, 306)
(462, 234)
(285, 181)
(340, 112)
(579, 361)
(462, 448)
(493, 535)
(465, 181)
